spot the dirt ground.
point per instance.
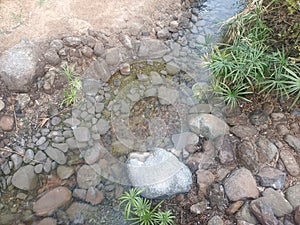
(42, 19)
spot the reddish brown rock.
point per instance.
(297, 215)
(94, 196)
(48, 221)
(7, 123)
(51, 201)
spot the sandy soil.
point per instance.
(41, 19)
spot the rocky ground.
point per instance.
(67, 165)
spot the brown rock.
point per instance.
(94, 196)
(297, 215)
(204, 179)
(7, 123)
(243, 131)
(290, 162)
(48, 221)
(233, 208)
(51, 201)
(241, 184)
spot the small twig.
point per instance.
(20, 154)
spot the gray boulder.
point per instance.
(160, 175)
(20, 65)
(25, 178)
(152, 49)
(208, 126)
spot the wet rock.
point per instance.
(173, 176)
(48, 221)
(152, 49)
(52, 57)
(276, 201)
(215, 220)
(99, 69)
(293, 195)
(125, 69)
(51, 201)
(208, 126)
(240, 184)
(199, 207)
(167, 95)
(266, 150)
(82, 134)
(155, 78)
(25, 178)
(246, 155)
(172, 68)
(258, 117)
(293, 141)
(20, 65)
(204, 179)
(263, 212)
(72, 41)
(87, 177)
(57, 155)
(243, 131)
(7, 123)
(64, 172)
(290, 162)
(271, 177)
(94, 196)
